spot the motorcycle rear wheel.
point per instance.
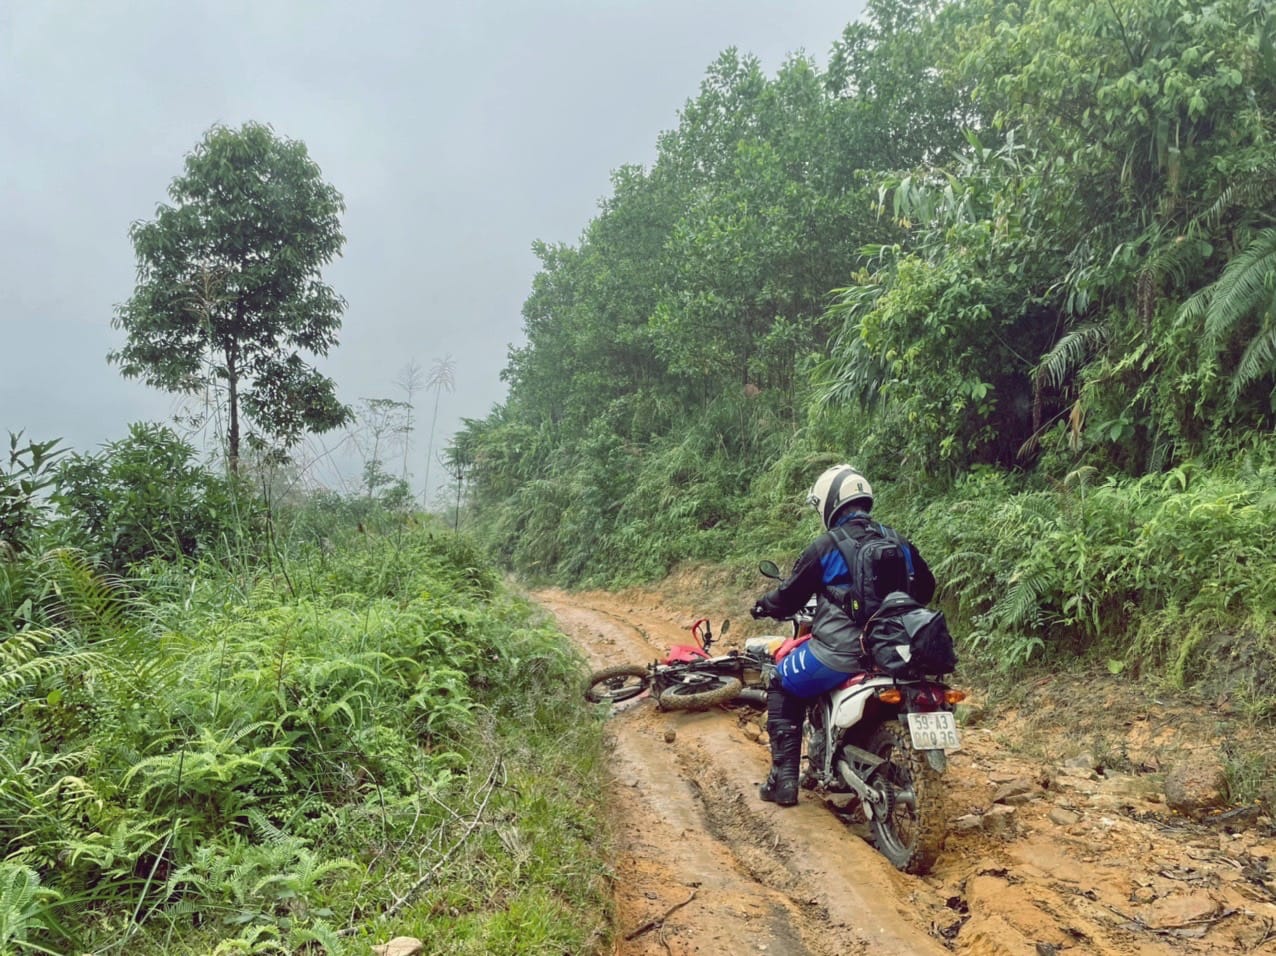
(617, 683)
(706, 691)
(911, 832)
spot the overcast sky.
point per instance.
(457, 132)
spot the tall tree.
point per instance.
(229, 293)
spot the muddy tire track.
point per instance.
(691, 833)
(1067, 863)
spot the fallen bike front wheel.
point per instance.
(699, 692)
(617, 683)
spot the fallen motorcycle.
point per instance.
(884, 740)
(688, 678)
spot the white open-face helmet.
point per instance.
(838, 488)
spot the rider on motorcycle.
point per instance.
(843, 497)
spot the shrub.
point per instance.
(144, 497)
(1085, 567)
(27, 475)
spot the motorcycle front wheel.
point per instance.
(910, 833)
(617, 683)
(699, 692)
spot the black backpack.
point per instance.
(878, 564)
(905, 639)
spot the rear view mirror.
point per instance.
(770, 569)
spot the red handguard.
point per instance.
(695, 630)
(686, 653)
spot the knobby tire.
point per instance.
(913, 831)
(680, 697)
(617, 683)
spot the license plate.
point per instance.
(934, 731)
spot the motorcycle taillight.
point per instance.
(926, 697)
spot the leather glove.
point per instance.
(758, 611)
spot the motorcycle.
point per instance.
(688, 678)
(883, 740)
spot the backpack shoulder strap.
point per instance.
(893, 535)
(852, 534)
(848, 538)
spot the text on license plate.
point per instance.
(934, 731)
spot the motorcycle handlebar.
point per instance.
(801, 617)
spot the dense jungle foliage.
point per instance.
(1016, 261)
(231, 728)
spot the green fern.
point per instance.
(24, 908)
(85, 598)
(319, 933)
(296, 887)
(115, 854)
(24, 662)
(226, 777)
(227, 770)
(266, 830)
(1020, 606)
(257, 941)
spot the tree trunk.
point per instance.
(232, 432)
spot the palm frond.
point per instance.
(1069, 353)
(1248, 282)
(1252, 192)
(851, 375)
(1178, 258)
(1195, 306)
(1259, 360)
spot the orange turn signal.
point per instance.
(954, 696)
(890, 696)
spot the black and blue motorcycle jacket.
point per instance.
(822, 567)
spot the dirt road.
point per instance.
(1049, 851)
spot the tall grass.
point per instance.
(193, 761)
(1145, 572)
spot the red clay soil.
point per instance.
(1046, 854)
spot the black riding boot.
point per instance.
(786, 752)
(784, 714)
